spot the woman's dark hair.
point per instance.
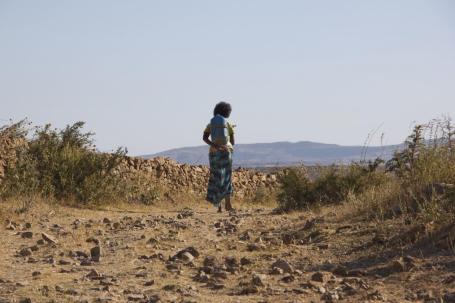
(223, 108)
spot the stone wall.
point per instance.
(194, 178)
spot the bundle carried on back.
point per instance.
(219, 130)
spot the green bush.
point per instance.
(62, 164)
(296, 190)
(333, 185)
(263, 196)
(138, 188)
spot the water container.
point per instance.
(219, 130)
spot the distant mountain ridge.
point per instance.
(283, 153)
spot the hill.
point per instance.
(283, 153)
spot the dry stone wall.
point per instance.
(194, 178)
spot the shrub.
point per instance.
(296, 190)
(263, 196)
(424, 177)
(333, 185)
(63, 164)
(138, 188)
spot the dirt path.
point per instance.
(197, 255)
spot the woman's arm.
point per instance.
(206, 139)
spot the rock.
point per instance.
(154, 299)
(72, 292)
(249, 289)
(25, 300)
(284, 265)
(255, 246)
(357, 273)
(288, 278)
(174, 267)
(187, 257)
(58, 288)
(449, 297)
(28, 225)
(48, 238)
(201, 277)
(231, 261)
(376, 295)
(323, 246)
(64, 262)
(331, 296)
(21, 284)
(95, 253)
(259, 280)
(220, 274)
(40, 242)
(107, 221)
(142, 274)
(24, 252)
(185, 213)
(135, 297)
(94, 274)
(81, 254)
(210, 261)
(215, 285)
(320, 277)
(276, 271)
(245, 236)
(36, 273)
(191, 250)
(86, 262)
(245, 261)
(149, 283)
(340, 271)
(27, 234)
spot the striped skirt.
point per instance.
(220, 185)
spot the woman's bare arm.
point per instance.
(206, 139)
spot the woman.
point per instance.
(221, 143)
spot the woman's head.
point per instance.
(223, 108)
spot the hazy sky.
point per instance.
(146, 74)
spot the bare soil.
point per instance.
(197, 255)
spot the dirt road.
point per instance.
(196, 255)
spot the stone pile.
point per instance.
(178, 177)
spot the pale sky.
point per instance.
(147, 74)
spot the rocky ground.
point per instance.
(197, 255)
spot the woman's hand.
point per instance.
(222, 147)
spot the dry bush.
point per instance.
(263, 196)
(417, 183)
(422, 181)
(333, 185)
(138, 188)
(64, 165)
